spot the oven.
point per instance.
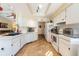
(55, 41)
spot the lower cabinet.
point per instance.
(29, 37)
(15, 45)
(22, 40)
(9, 46)
(64, 47)
(5, 47)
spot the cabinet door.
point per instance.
(27, 38)
(35, 36)
(22, 40)
(5, 47)
(60, 18)
(56, 20)
(64, 48)
(15, 45)
(72, 14)
(31, 37)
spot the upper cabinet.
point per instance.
(60, 18)
(72, 14)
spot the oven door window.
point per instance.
(54, 39)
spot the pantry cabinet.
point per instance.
(72, 14)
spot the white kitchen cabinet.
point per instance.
(60, 18)
(72, 14)
(64, 47)
(22, 40)
(35, 37)
(10, 45)
(31, 36)
(5, 46)
(55, 21)
(15, 45)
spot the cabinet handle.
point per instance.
(2, 48)
(68, 48)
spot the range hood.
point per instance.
(61, 23)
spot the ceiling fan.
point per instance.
(8, 13)
(12, 15)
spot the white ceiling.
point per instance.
(53, 7)
(41, 11)
(29, 9)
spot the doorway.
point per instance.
(41, 29)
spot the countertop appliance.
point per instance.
(71, 32)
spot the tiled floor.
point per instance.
(38, 48)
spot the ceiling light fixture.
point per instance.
(40, 6)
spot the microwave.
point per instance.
(68, 31)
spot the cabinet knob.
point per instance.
(68, 48)
(11, 44)
(2, 48)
